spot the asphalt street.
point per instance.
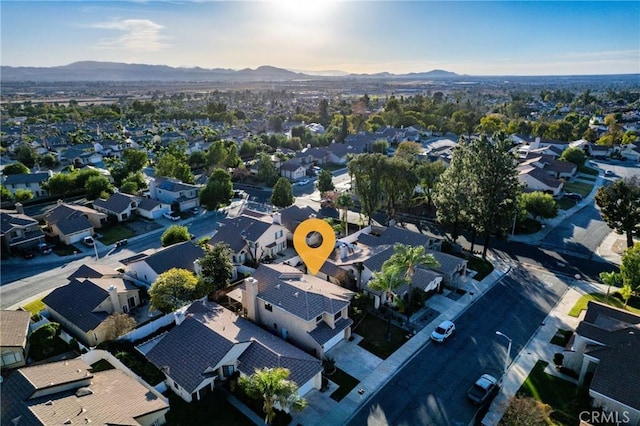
(431, 388)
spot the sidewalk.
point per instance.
(540, 347)
(373, 372)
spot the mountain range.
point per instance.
(114, 71)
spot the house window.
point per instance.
(279, 234)
(275, 325)
(338, 315)
(268, 307)
(227, 370)
(318, 318)
(11, 358)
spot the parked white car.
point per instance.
(443, 331)
(171, 217)
(483, 389)
(88, 241)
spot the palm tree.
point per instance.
(344, 202)
(387, 281)
(272, 385)
(405, 260)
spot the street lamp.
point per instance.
(508, 357)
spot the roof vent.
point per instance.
(67, 422)
(277, 286)
(296, 294)
(49, 402)
(84, 391)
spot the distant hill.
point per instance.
(115, 71)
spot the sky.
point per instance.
(472, 37)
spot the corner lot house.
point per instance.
(606, 344)
(72, 222)
(19, 231)
(311, 312)
(70, 393)
(86, 302)
(14, 329)
(210, 343)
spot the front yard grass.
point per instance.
(482, 266)
(345, 382)
(563, 396)
(114, 233)
(614, 300)
(565, 203)
(65, 250)
(374, 333)
(588, 170)
(34, 307)
(578, 187)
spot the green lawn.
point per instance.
(345, 382)
(374, 331)
(65, 250)
(588, 170)
(565, 204)
(614, 300)
(114, 233)
(34, 307)
(581, 188)
(482, 266)
(561, 395)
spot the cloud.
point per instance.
(139, 35)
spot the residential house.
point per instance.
(293, 169)
(145, 268)
(72, 222)
(309, 311)
(19, 231)
(536, 179)
(292, 216)
(605, 345)
(183, 196)
(599, 151)
(14, 329)
(423, 279)
(252, 239)
(70, 392)
(80, 155)
(210, 343)
(631, 151)
(32, 182)
(83, 305)
(120, 205)
(557, 168)
(152, 209)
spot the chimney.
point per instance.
(115, 300)
(536, 144)
(197, 268)
(277, 218)
(250, 298)
(179, 316)
(19, 208)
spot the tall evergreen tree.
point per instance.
(620, 206)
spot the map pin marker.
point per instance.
(314, 257)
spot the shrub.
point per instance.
(45, 341)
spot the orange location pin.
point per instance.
(314, 257)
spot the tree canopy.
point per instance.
(173, 289)
(218, 190)
(325, 181)
(630, 268)
(574, 155)
(620, 206)
(273, 387)
(539, 204)
(216, 268)
(282, 195)
(175, 234)
(15, 169)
